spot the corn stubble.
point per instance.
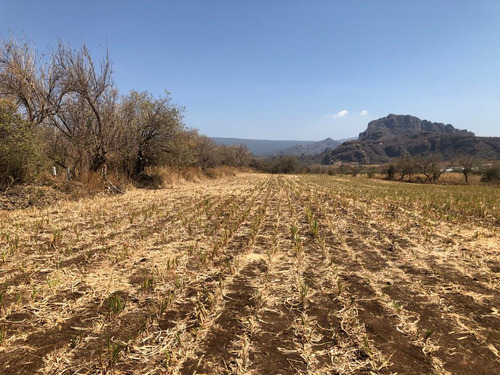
(255, 274)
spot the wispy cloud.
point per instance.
(342, 113)
(364, 112)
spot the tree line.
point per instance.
(63, 108)
(409, 167)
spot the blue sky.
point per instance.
(289, 69)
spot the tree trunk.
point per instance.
(97, 162)
(140, 164)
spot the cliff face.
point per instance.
(397, 135)
(397, 125)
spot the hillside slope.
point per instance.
(262, 147)
(312, 148)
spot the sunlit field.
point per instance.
(255, 274)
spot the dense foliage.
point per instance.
(21, 156)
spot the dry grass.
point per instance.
(255, 274)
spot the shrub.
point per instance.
(390, 172)
(20, 150)
(491, 174)
(286, 164)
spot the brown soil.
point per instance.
(252, 274)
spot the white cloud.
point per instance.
(342, 113)
(364, 112)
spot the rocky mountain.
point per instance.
(396, 125)
(397, 135)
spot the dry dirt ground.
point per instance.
(255, 274)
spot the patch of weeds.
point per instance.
(166, 302)
(113, 354)
(115, 304)
(34, 292)
(428, 334)
(178, 338)
(122, 254)
(53, 282)
(147, 283)
(167, 357)
(55, 238)
(297, 247)
(315, 228)
(303, 289)
(179, 283)
(397, 305)
(74, 341)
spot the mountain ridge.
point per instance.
(394, 125)
(398, 135)
(265, 147)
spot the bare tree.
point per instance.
(243, 155)
(431, 168)
(407, 167)
(30, 79)
(206, 152)
(468, 163)
(67, 90)
(90, 85)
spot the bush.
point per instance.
(390, 172)
(286, 164)
(20, 150)
(146, 181)
(491, 174)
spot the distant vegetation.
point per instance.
(420, 169)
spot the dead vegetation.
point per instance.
(255, 274)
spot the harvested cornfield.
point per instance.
(255, 274)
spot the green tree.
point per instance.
(153, 133)
(286, 164)
(20, 152)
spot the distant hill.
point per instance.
(396, 135)
(261, 147)
(312, 148)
